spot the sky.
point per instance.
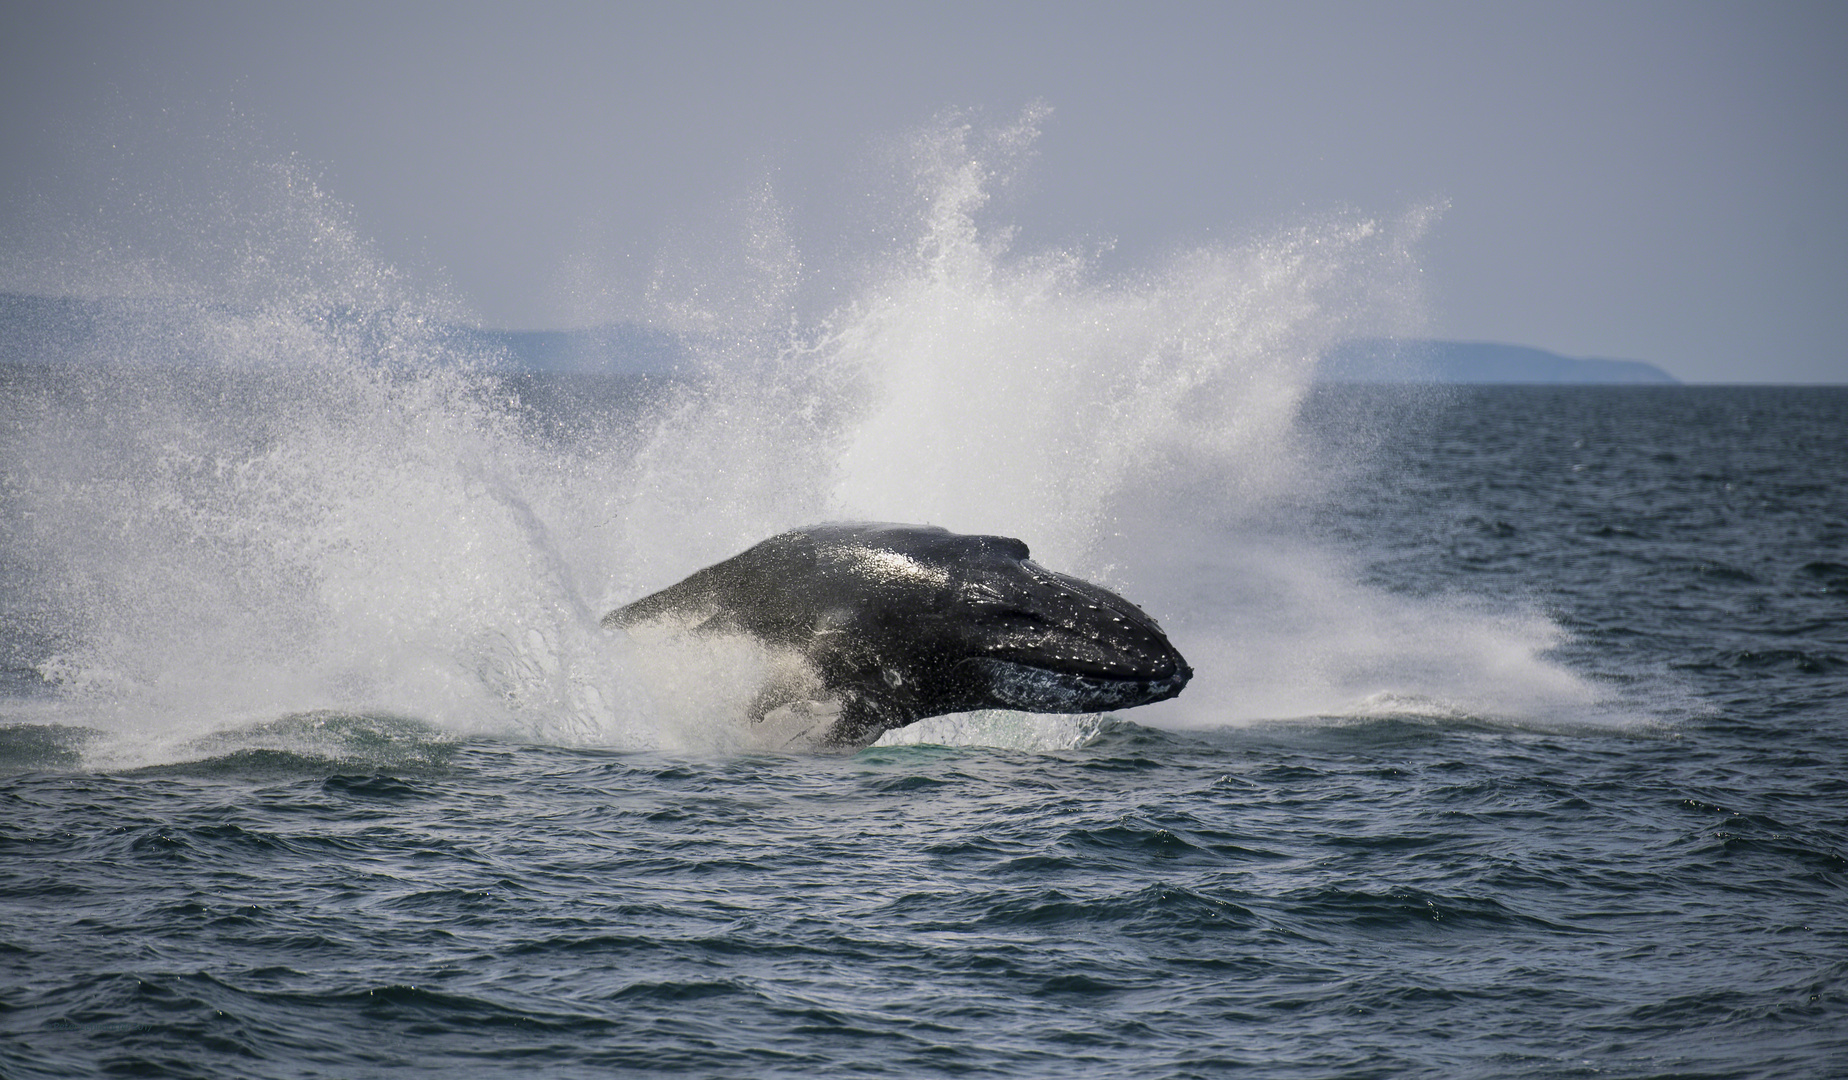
(1651, 181)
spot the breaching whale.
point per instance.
(894, 623)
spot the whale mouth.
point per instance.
(1090, 658)
(1034, 687)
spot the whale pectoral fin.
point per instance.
(798, 725)
(827, 724)
(827, 710)
(719, 622)
(858, 727)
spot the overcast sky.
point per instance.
(1656, 181)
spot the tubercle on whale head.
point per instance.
(1040, 617)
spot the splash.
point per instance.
(315, 498)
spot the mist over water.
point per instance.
(304, 495)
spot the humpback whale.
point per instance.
(893, 623)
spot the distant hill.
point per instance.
(62, 330)
(40, 330)
(1417, 360)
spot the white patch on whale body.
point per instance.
(896, 566)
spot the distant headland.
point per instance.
(1420, 360)
(623, 348)
(40, 330)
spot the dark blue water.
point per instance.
(1654, 886)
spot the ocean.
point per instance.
(1517, 745)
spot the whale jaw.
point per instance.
(1039, 689)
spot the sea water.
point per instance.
(1517, 745)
